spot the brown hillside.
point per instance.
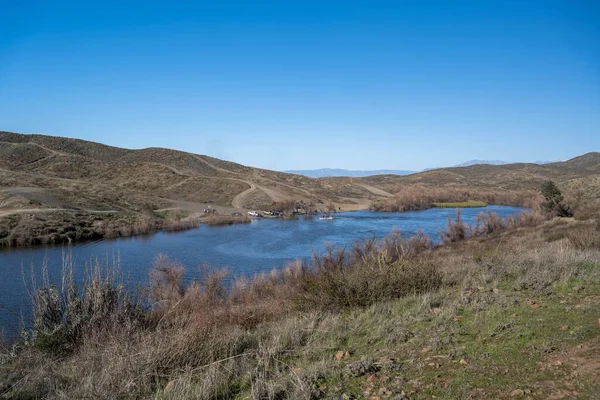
(92, 176)
(42, 174)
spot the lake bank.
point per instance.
(245, 249)
(31, 228)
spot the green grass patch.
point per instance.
(461, 204)
(503, 338)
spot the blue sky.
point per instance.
(309, 84)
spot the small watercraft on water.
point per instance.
(326, 217)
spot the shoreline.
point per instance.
(190, 223)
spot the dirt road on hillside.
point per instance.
(238, 200)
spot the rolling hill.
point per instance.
(41, 176)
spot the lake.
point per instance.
(245, 249)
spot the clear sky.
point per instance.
(309, 84)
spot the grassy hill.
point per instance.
(52, 179)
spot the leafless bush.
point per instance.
(489, 223)
(584, 238)
(456, 230)
(166, 283)
(62, 316)
(371, 272)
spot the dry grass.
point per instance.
(584, 237)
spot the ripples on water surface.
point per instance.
(244, 249)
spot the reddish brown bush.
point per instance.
(456, 230)
(419, 197)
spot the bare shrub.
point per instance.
(371, 272)
(62, 316)
(363, 285)
(142, 226)
(420, 243)
(586, 210)
(489, 223)
(584, 238)
(166, 285)
(456, 230)
(525, 219)
(287, 207)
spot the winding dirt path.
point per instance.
(258, 177)
(238, 200)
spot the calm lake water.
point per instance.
(245, 249)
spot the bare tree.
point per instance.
(309, 207)
(287, 207)
(331, 208)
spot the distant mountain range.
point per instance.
(475, 162)
(335, 172)
(332, 172)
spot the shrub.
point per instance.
(553, 198)
(590, 209)
(524, 219)
(584, 238)
(166, 286)
(420, 242)
(489, 223)
(365, 284)
(372, 272)
(63, 315)
(456, 230)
